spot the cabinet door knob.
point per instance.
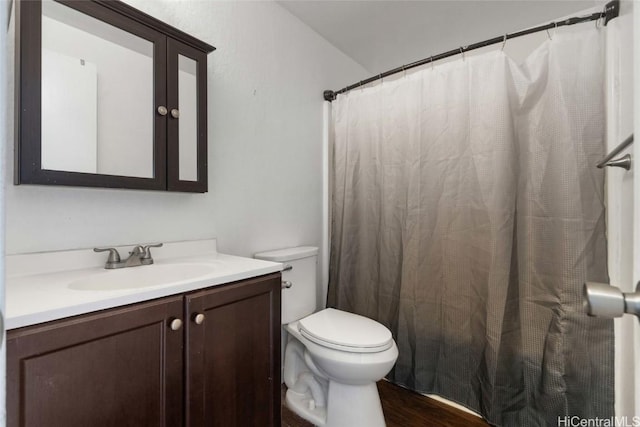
(198, 318)
(175, 324)
(162, 110)
(175, 113)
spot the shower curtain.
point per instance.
(467, 214)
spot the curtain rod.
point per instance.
(611, 10)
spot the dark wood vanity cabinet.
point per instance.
(154, 363)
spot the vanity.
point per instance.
(192, 340)
(108, 96)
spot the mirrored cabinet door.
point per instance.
(88, 98)
(187, 122)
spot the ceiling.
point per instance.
(381, 35)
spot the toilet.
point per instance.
(332, 358)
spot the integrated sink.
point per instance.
(142, 277)
(42, 287)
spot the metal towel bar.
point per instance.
(602, 300)
(625, 162)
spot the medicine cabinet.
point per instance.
(108, 96)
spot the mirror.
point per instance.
(97, 112)
(188, 125)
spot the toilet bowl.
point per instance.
(346, 374)
(333, 358)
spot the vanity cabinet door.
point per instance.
(118, 367)
(233, 354)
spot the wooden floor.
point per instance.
(403, 408)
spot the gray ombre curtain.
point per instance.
(467, 214)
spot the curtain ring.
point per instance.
(603, 16)
(404, 72)
(431, 62)
(555, 26)
(462, 52)
(380, 78)
(504, 42)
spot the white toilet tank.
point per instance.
(299, 300)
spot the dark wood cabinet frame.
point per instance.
(28, 124)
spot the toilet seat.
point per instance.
(345, 331)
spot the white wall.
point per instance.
(265, 137)
(636, 196)
(619, 198)
(4, 138)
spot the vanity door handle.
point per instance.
(162, 110)
(198, 318)
(175, 113)
(175, 324)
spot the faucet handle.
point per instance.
(147, 250)
(114, 256)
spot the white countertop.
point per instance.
(44, 294)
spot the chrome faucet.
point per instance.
(139, 255)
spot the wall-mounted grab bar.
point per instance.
(624, 162)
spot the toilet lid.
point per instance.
(345, 331)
